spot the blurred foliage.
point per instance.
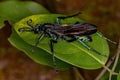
(103, 13)
(14, 11)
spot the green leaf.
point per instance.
(13, 11)
(73, 53)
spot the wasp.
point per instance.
(68, 33)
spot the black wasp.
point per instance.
(68, 33)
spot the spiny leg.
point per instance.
(89, 47)
(65, 17)
(82, 41)
(52, 51)
(86, 38)
(106, 38)
(37, 42)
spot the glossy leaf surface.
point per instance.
(73, 53)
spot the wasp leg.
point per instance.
(90, 48)
(52, 51)
(37, 42)
(65, 17)
(86, 38)
(89, 38)
(106, 38)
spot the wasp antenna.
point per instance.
(29, 23)
(107, 38)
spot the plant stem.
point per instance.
(109, 63)
(78, 76)
(116, 60)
